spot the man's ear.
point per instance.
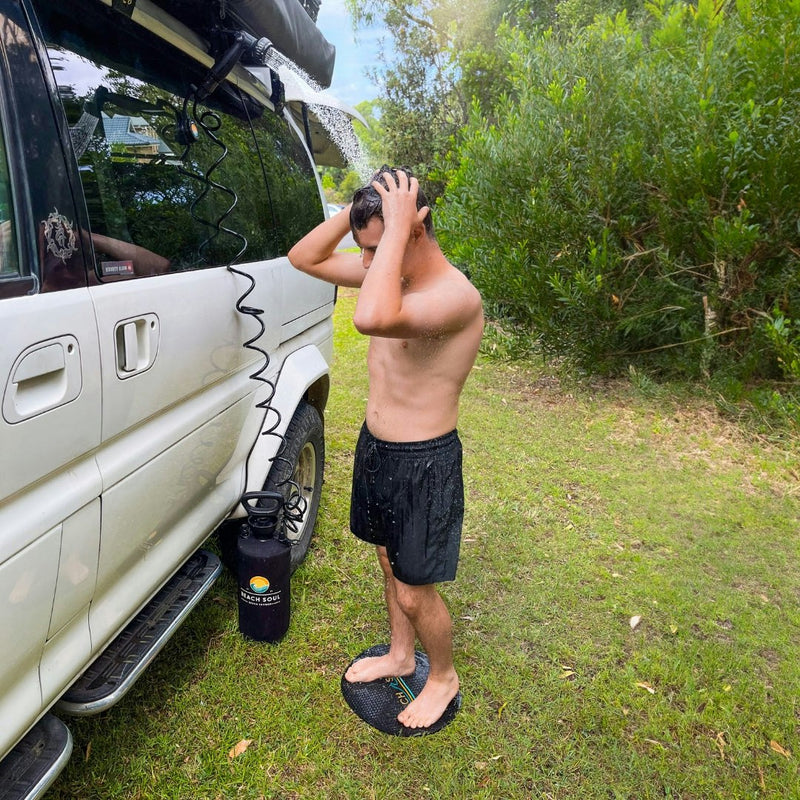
(417, 232)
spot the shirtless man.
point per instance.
(425, 322)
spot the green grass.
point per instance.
(587, 505)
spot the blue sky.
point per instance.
(354, 52)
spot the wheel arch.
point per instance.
(317, 394)
(304, 375)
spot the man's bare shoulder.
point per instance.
(449, 304)
(464, 295)
(454, 286)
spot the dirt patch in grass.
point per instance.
(685, 427)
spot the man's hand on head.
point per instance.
(399, 200)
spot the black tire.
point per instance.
(302, 456)
(298, 468)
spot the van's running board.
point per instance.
(29, 769)
(114, 672)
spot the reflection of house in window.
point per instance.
(133, 137)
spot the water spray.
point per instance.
(335, 121)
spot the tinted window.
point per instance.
(292, 185)
(169, 184)
(9, 259)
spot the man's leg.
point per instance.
(400, 658)
(425, 611)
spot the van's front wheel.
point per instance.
(296, 473)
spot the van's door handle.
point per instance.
(136, 344)
(45, 375)
(40, 362)
(129, 355)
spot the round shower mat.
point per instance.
(379, 702)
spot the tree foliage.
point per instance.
(619, 177)
(373, 137)
(637, 198)
(443, 53)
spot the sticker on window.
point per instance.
(114, 268)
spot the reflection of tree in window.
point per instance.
(169, 206)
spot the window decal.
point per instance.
(59, 236)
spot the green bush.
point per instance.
(637, 199)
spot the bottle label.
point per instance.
(265, 598)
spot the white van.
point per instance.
(150, 186)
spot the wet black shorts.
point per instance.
(409, 498)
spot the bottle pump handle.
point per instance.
(263, 512)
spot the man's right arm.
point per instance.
(316, 254)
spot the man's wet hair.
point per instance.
(367, 203)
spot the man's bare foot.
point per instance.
(386, 666)
(430, 703)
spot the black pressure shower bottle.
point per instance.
(263, 565)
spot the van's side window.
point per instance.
(292, 185)
(171, 186)
(9, 259)
(167, 188)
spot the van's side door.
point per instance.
(174, 190)
(175, 386)
(51, 405)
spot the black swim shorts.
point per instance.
(409, 498)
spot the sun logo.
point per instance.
(258, 584)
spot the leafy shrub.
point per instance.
(637, 199)
(785, 337)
